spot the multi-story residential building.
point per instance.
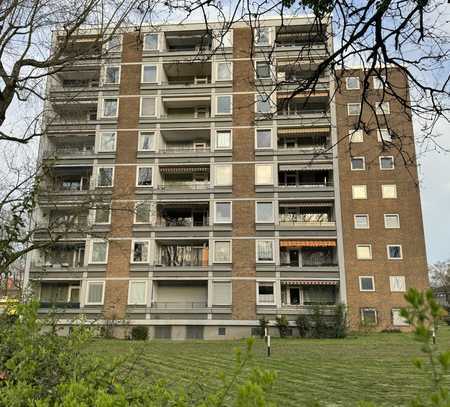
(209, 197)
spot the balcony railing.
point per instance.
(70, 151)
(181, 149)
(184, 185)
(311, 263)
(182, 222)
(302, 112)
(324, 184)
(266, 298)
(179, 305)
(68, 305)
(294, 222)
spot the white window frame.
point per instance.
(105, 76)
(141, 102)
(230, 64)
(137, 176)
(369, 309)
(256, 179)
(347, 82)
(383, 193)
(379, 111)
(226, 222)
(394, 258)
(256, 138)
(154, 140)
(223, 130)
(103, 107)
(269, 36)
(272, 243)
(272, 220)
(156, 74)
(395, 310)
(354, 133)
(88, 283)
(353, 191)
(97, 172)
(360, 215)
(100, 134)
(157, 41)
(274, 286)
(130, 282)
(380, 138)
(217, 104)
(358, 158)
(91, 251)
(385, 220)
(354, 104)
(370, 251)
(133, 242)
(393, 162)
(136, 204)
(360, 284)
(230, 242)
(117, 49)
(391, 284)
(377, 84)
(270, 70)
(269, 100)
(216, 183)
(109, 216)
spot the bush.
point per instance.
(340, 321)
(263, 324)
(139, 333)
(303, 325)
(282, 325)
(320, 328)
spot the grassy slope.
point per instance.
(375, 368)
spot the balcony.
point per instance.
(300, 177)
(186, 108)
(61, 256)
(186, 142)
(299, 35)
(301, 294)
(192, 41)
(314, 105)
(189, 254)
(59, 295)
(180, 216)
(314, 140)
(305, 215)
(186, 75)
(180, 295)
(68, 147)
(308, 253)
(66, 221)
(293, 75)
(68, 180)
(180, 178)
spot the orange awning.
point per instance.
(310, 282)
(307, 243)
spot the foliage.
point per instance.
(139, 333)
(39, 368)
(303, 325)
(282, 325)
(340, 321)
(263, 324)
(322, 324)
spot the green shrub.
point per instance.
(263, 324)
(282, 325)
(340, 326)
(303, 325)
(139, 333)
(320, 328)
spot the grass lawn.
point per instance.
(340, 372)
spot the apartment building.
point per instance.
(206, 195)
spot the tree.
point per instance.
(440, 280)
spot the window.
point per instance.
(103, 214)
(221, 292)
(356, 136)
(389, 191)
(144, 176)
(148, 106)
(223, 104)
(397, 284)
(384, 135)
(364, 252)
(105, 176)
(262, 70)
(137, 292)
(224, 71)
(263, 174)
(222, 251)
(112, 74)
(262, 36)
(266, 293)
(366, 283)
(107, 142)
(394, 252)
(95, 292)
(142, 212)
(221, 331)
(99, 251)
(369, 316)
(149, 73)
(353, 109)
(382, 108)
(110, 107)
(151, 42)
(264, 251)
(146, 140)
(358, 164)
(140, 251)
(223, 175)
(264, 212)
(263, 104)
(223, 212)
(378, 81)
(223, 139)
(387, 163)
(114, 43)
(352, 82)
(392, 221)
(359, 191)
(361, 221)
(224, 38)
(263, 138)
(397, 319)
